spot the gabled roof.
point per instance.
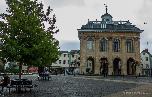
(64, 51)
(75, 51)
(146, 51)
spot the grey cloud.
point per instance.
(145, 15)
(62, 3)
(2, 6)
(145, 9)
(69, 45)
(145, 12)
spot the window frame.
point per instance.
(90, 43)
(60, 61)
(104, 45)
(116, 45)
(146, 58)
(129, 46)
(64, 61)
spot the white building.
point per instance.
(67, 60)
(74, 58)
(146, 62)
(63, 60)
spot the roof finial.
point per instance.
(106, 8)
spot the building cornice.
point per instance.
(107, 30)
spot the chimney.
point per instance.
(146, 50)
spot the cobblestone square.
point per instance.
(84, 86)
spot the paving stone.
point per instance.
(80, 86)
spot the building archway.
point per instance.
(131, 66)
(117, 66)
(90, 65)
(104, 66)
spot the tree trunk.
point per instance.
(20, 76)
(20, 71)
(40, 69)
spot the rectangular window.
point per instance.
(103, 45)
(64, 55)
(89, 45)
(147, 66)
(68, 61)
(64, 61)
(72, 56)
(116, 45)
(142, 65)
(129, 45)
(59, 61)
(146, 58)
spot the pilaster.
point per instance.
(110, 65)
(82, 54)
(97, 52)
(123, 56)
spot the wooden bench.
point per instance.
(27, 84)
(6, 86)
(24, 84)
(44, 76)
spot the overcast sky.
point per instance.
(72, 14)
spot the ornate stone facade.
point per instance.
(109, 47)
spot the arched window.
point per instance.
(103, 45)
(90, 43)
(116, 45)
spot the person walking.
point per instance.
(4, 82)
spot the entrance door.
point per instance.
(131, 67)
(90, 65)
(104, 66)
(116, 66)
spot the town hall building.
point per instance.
(109, 47)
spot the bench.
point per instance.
(27, 84)
(24, 84)
(44, 76)
(6, 86)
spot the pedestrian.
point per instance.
(136, 76)
(56, 73)
(123, 75)
(4, 82)
(139, 74)
(74, 72)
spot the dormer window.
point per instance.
(107, 20)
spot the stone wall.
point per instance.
(96, 54)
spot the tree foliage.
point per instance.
(26, 32)
(12, 67)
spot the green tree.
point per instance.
(12, 68)
(26, 32)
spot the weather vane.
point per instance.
(106, 8)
